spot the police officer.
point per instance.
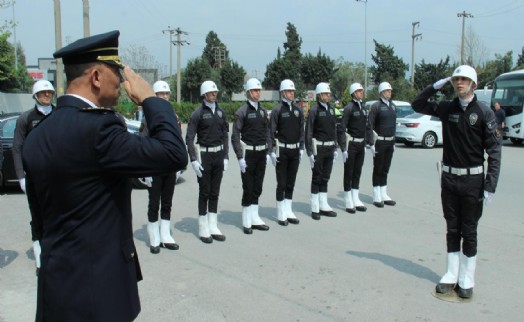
(355, 125)
(287, 134)
(209, 158)
(382, 120)
(161, 190)
(251, 140)
(469, 130)
(321, 145)
(43, 93)
(79, 162)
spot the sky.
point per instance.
(254, 30)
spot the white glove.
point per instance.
(226, 164)
(147, 181)
(344, 156)
(301, 152)
(22, 184)
(197, 167)
(335, 155)
(372, 149)
(312, 161)
(243, 165)
(440, 83)
(273, 158)
(37, 251)
(488, 197)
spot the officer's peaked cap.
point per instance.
(98, 48)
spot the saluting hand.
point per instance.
(440, 83)
(137, 88)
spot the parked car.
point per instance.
(403, 108)
(7, 133)
(419, 128)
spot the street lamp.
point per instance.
(365, 46)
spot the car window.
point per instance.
(414, 116)
(8, 130)
(404, 110)
(435, 118)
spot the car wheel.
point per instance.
(137, 184)
(516, 141)
(408, 143)
(429, 140)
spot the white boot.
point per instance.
(377, 197)
(281, 216)
(246, 220)
(384, 193)
(288, 212)
(358, 204)
(213, 227)
(153, 230)
(448, 281)
(256, 221)
(203, 229)
(348, 198)
(166, 240)
(315, 208)
(325, 208)
(466, 276)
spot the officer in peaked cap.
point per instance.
(78, 168)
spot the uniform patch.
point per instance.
(356, 114)
(454, 118)
(321, 113)
(473, 117)
(219, 113)
(251, 116)
(296, 113)
(207, 116)
(491, 124)
(331, 112)
(261, 113)
(286, 114)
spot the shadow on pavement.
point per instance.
(7, 257)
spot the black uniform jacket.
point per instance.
(287, 124)
(78, 164)
(322, 125)
(466, 134)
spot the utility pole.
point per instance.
(14, 35)
(86, 18)
(414, 37)
(464, 15)
(179, 43)
(365, 46)
(171, 32)
(58, 44)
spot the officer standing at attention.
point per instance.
(161, 190)
(321, 146)
(251, 140)
(469, 130)
(355, 124)
(383, 121)
(79, 162)
(287, 134)
(43, 93)
(209, 158)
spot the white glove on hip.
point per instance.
(440, 83)
(226, 164)
(146, 181)
(22, 184)
(301, 152)
(243, 165)
(197, 167)
(312, 161)
(372, 150)
(344, 156)
(37, 251)
(488, 197)
(273, 157)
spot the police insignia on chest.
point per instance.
(473, 117)
(331, 112)
(296, 113)
(219, 113)
(261, 113)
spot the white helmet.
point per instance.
(384, 86)
(208, 86)
(42, 85)
(287, 85)
(354, 87)
(465, 71)
(252, 83)
(322, 88)
(161, 86)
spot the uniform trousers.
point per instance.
(209, 183)
(253, 178)
(382, 162)
(462, 204)
(161, 197)
(353, 165)
(286, 170)
(322, 168)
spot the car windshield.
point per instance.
(8, 130)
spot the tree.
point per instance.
(387, 64)
(475, 53)
(197, 71)
(316, 69)
(493, 68)
(345, 74)
(12, 79)
(232, 78)
(293, 43)
(215, 52)
(520, 60)
(426, 74)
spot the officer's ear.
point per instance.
(95, 75)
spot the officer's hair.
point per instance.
(76, 70)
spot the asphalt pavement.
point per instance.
(381, 265)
